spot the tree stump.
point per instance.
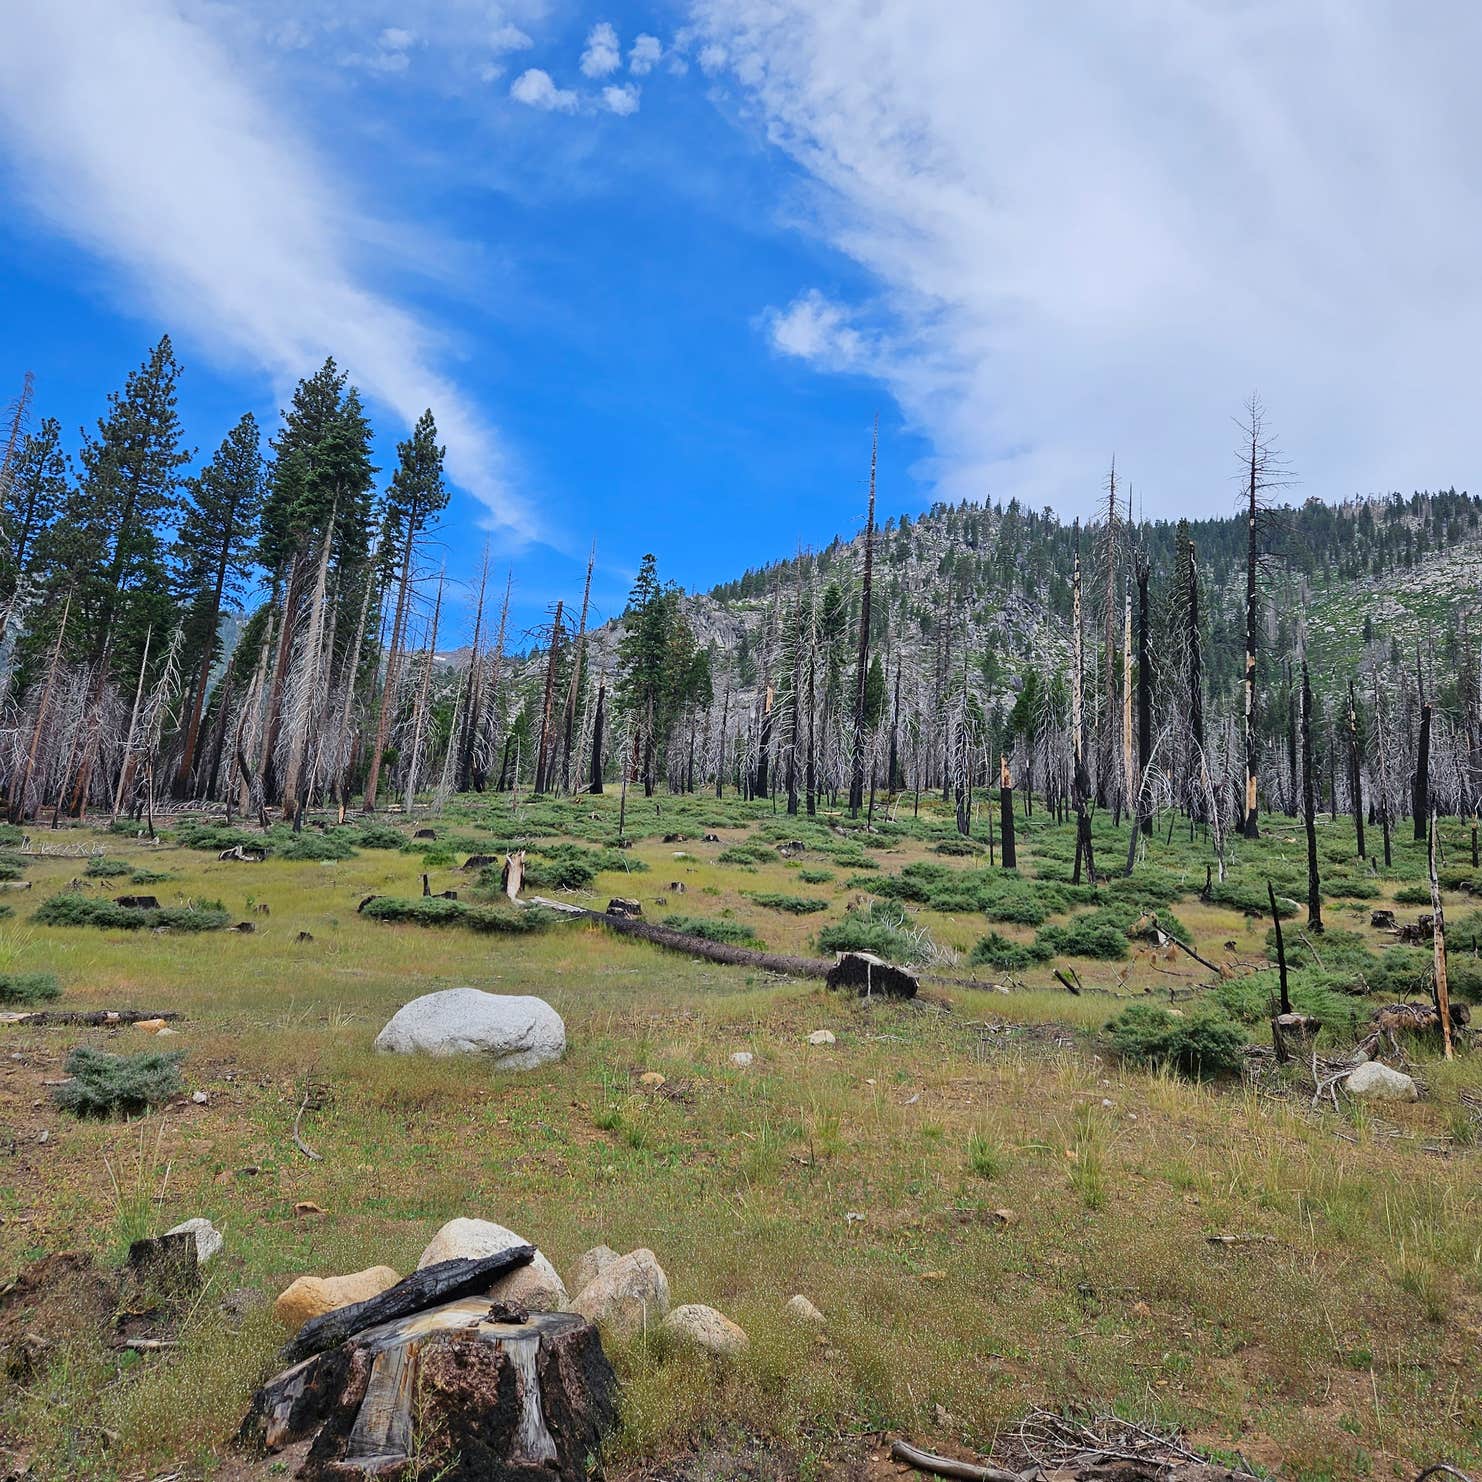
(471, 1389)
(869, 975)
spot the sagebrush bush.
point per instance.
(72, 908)
(29, 988)
(104, 1084)
(1199, 1044)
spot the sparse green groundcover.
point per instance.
(793, 905)
(713, 929)
(1199, 1044)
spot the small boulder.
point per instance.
(697, 1326)
(1376, 1081)
(821, 1037)
(742, 1058)
(149, 1026)
(515, 1031)
(537, 1287)
(209, 1241)
(800, 1309)
(590, 1265)
(629, 1295)
(313, 1296)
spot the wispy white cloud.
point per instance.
(603, 55)
(1101, 235)
(645, 54)
(135, 132)
(621, 99)
(535, 89)
(815, 329)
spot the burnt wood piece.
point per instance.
(868, 975)
(627, 909)
(445, 1281)
(479, 861)
(468, 1392)
(425, 833)
(167, 1265)
(675, 838)
(1383, 920)
(246, 853)
(137, 902)
(365, 902)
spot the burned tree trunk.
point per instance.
(1144, 689)
(1443, 992)
(1006, 812)
(594, 785)
(1421, 792)
(544, 756)
(1309, 807)
(857, 767)
(1355, 772)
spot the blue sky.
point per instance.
(656, 266)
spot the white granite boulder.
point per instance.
(536, 1286)
(209, 1241)
(515, 1031)
(1376, 1081)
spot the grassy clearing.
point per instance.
(1347, 1344)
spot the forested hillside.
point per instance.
(256, 626)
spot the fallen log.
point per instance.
(45, 1018)
(446, 1281)
(945, 1466)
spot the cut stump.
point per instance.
(868, 975)
(472, 1389)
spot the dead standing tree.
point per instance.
(1263, 469)
(857, 768)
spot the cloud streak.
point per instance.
(134, 132)
(1100, 236)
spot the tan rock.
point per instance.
(313, 1296)
(590, 1265)
(651, 1078)
(149, 1026)
(800, 1309)
(698, 1326)
(628, 1297)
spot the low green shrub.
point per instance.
(881, 929)
(794, 905)
(1413, 895)
(29, 989)
(72, 908)
(378, 836)
(312, 844)
(713, 929)
(996, 950)
(1335, 950)
(960, 848)
(419, 910)
(815, 877)
(1256, 998)
(104, 1084)
(193, 834)
(100, 867)
(1100, 934)
(12, 869)
(570, 866)
(1197, 1044)
(747, 853)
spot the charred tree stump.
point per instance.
(1421, 792)
(471, 1389)
(869, 975)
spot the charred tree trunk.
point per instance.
(1421, 792)
(547, 736)
(1006, 812)
(594, 784)
(1309, 809)
(1355, 773)
(857, 768)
